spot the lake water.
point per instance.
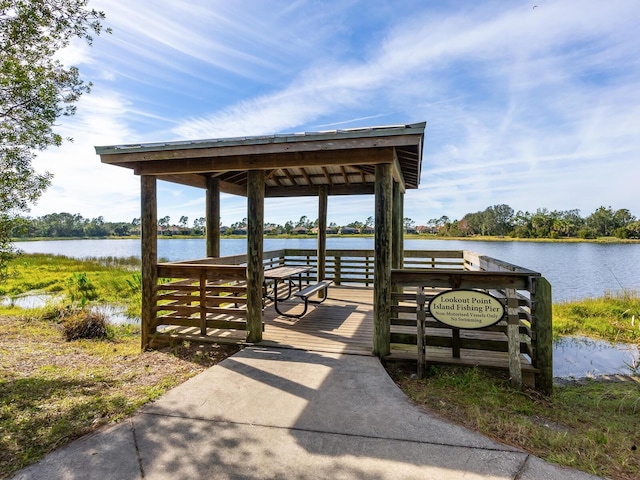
(588, 357)
(575, 270)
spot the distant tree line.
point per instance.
(497, 220)
(67, 225)
(501, 220)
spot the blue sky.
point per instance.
(532, 107)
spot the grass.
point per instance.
(614, 317)
(592, 426)
(53, 390)
(114, 280)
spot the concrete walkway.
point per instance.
(288, 414)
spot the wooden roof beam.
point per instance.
(306, 176)
(312, 190)
(344, 174)
(200, 181)
(276, 178)
(290, 177)
(236, 177)
(263, 162)
(316, 176)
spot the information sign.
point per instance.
(466, 309)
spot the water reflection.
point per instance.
(586, 357)
(38, 300)
(116, 314)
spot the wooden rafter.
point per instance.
(290, 177)
(237, 177)
(276, 178)
(306, 176)
(326, 175)
(344, 174)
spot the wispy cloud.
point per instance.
(524, 106)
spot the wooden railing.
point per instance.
(211, 293)
(525, 330)
(193, 294)
(355, 267)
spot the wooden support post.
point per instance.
(421, 318)
(149, 256)
(543, 341)
(513, 337)
(397, 260)
(323, 200)
(397, 242)
(255, 269)
(382, 264)
(213, 217)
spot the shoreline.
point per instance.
(600, 240)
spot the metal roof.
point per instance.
(295, 164)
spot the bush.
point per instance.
(621, 232)
(586, 233)
(81, 289)
(85, 324)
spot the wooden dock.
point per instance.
(343, 323)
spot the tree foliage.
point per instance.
(35, 90)
(500, 220)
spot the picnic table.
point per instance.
(285, 274)
(288, 274)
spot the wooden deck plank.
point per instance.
(343, 323)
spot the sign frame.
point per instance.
(475, 303)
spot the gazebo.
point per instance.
(383, 161)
